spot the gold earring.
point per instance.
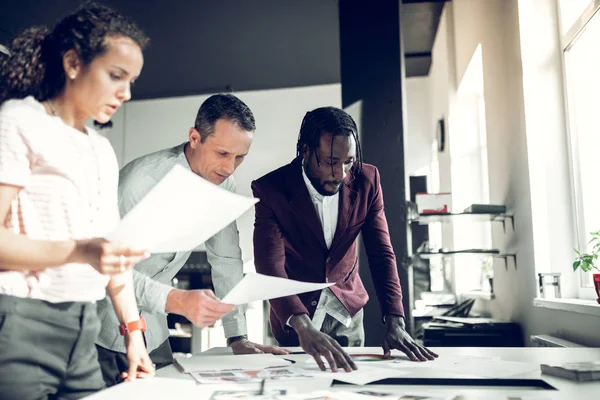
(72, 76)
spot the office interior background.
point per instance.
(509, 86)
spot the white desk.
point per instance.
(566, 389)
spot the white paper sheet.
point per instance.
(442, 363)
(150, 388)
(375, 394)
(222, 363)
(492, 368)
(217, 351)
(482, 367)
(362, 376)
(256, 287)
(328, 395)
(182, 211)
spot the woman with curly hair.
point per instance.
(58, 199)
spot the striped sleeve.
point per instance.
(15, 162)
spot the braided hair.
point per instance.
(328, 120)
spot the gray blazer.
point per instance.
(152, 277)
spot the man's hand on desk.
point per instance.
(201, 307)
(244, 346)
(396, 337)
(318, 344)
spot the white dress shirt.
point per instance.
(327, 208)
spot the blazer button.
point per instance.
(313, 303)
(328, 259)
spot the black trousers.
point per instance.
(47, 349)
(113, 363)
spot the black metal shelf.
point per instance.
(479, 294)
(425, 219)
(482, 252)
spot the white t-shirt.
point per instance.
(69, 186)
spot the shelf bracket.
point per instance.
(505, 256)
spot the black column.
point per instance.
(372, 72)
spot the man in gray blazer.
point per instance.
(218, 142)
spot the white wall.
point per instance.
(420, 128)
(525, 126)
(442, 92)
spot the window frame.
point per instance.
(585, 289)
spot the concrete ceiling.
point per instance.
(419, 24)
(207, 46)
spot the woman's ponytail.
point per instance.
(22, 72)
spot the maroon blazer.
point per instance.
(289, 243)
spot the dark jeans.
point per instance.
(114, 362)
(47, 349)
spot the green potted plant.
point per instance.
(587, 261)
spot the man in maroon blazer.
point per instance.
(307, 221)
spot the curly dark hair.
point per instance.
(34, 66)
(223, 106)
(327, 120)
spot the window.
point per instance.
(580, 39)
(469, 169)
(570, 11)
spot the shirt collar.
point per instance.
(181, 158)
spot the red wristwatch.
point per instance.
(140, 324)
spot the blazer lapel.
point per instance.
(347, 202)
(301, 204)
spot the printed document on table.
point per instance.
(255, 287)
(182, 211)
(224, 363)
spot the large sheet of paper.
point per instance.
(222, 363)
(217, 351)
(150, 388)
(182, 211)
(363, 375)
(256, 287)
(492, 368)
(482, 367)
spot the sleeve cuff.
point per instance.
(235, 325)
(393, 315)
(287, 323)
(160, 302)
